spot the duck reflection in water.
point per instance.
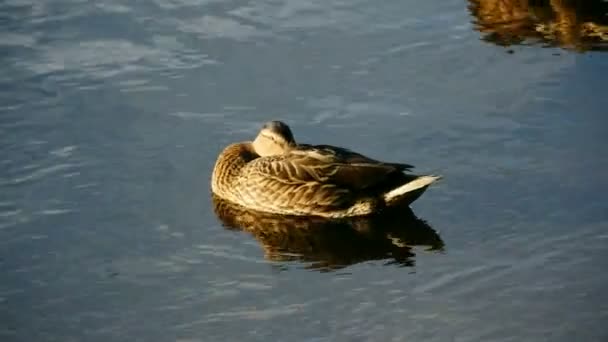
(329, 244)
(572, 24)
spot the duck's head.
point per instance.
(274, 138)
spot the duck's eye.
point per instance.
(269, 136)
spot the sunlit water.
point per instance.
(112, 114)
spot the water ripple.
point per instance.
(38, 174)
(108, 58)
(217, 27)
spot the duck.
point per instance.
(275, 174)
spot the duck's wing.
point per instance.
(322, 167)
(347, 156)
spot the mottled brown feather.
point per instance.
(306, 179)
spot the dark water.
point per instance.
(112, 114)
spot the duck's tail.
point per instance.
(411, 190)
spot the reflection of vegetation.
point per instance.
(332, 244)
(573, 24)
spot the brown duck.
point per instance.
(275, 174)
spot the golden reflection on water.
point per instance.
(325, 244)
(571, 24)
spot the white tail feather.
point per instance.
(416, 184)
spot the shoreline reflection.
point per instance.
(327, 245)
(570, 24)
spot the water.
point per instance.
(112, 114)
